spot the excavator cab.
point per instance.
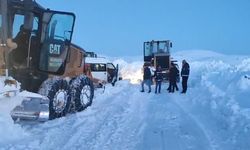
(158, 53)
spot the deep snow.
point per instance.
(213, 115)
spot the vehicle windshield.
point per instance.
(147, 49)
(152, 47)
(98, 67)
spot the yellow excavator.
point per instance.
(36, 51)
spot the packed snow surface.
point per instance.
(213, 115)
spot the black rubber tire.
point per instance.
(52, 86)
(77, 86)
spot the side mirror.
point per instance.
(171, 45)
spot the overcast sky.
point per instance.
(119, 27)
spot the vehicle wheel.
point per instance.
(58, 93)
(83, 92)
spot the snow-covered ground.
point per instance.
(213, 115)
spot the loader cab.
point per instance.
(158, 53)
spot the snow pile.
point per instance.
(131, 71)
(244, 65)
(197, 55)
(244, 83)
(219, 96)
(9, 131)
(9, 89)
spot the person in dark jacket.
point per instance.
(177, 79)
(173, 73)
(22, 40)
(158, 79)
(184, 74)
(146, 78)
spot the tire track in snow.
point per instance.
(90, 121)
(105, 124)
(170, 126)
(120, 127)
(200, 125)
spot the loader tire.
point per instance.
(59, 95)
(82, 92)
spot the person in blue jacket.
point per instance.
(185, 74)
(158, 79)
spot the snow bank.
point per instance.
(219, 96)
(5, 88)
(9, 131)
(244, 65)
(244, 83)
(196, 55)
(130, 71)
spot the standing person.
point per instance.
(158, 79)
(173, 72)
(184, 74)
(177, 77)
(146, 78)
